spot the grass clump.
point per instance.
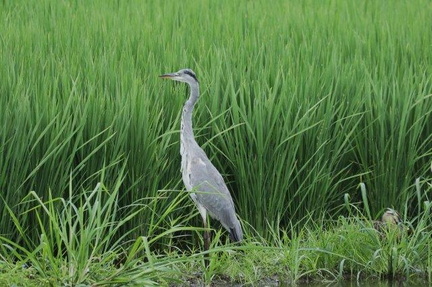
(80, 243)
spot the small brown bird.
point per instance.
(391, 216)
(390, 220)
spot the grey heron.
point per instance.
(201, 178)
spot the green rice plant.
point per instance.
(300, 102)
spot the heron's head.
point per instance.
(184, 75)
(391, 216)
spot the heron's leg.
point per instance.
(206, 235)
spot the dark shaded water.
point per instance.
(368, 283)
(363, 283)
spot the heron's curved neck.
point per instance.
(187, 135)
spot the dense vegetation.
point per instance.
(318, 113)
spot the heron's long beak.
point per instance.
(167, 76)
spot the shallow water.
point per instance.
(273, 282)
(367, 283)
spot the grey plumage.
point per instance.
(200, 176)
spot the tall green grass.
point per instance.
(301, 101)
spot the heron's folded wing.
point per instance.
(211, 190)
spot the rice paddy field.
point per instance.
(317, 113)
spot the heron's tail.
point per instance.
(236, 233)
